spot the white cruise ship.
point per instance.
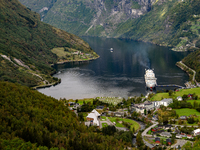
(150, 79)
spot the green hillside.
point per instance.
(172, 23)
(31, 120)
(26, 44)
(193, 61)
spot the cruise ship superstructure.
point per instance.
(150, 79)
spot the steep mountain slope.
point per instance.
(31, 120)
(173, 23)
(89, 17)
(193, 61)
(165, 22)
(26, 43)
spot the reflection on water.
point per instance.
(120, 73)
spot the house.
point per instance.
(189, 136)
(168, 126)
(183, 135)
(93, 117)
(164, 102)
(178, 136)
(183, 117)
(168, 141)
(196, 132)
(157, 140)
(71, 103)
(140, 108)
(179, 98)
(119, 114)
(76, 106)
(190, 96)
(169, 108)
(165, 134)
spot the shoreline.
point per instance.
(188, 70)
(59, 80)
(73, 61)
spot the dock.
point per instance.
(172, 85)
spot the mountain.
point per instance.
(193, 61)
(27, 46)
(31, 120)
(173, 23)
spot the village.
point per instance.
(159, 121)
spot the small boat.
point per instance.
(111, 49)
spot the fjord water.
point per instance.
(119, 73)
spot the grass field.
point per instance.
(160, 96)
(104, 124)
(111, 100)
(134, 125)
(69, 54)
(192, 101)
(187, 112)
(80, 101)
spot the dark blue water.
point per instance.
(117, 73)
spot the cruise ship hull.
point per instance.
(150, 79)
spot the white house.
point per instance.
(179, 98)
(93, 117)
(164, 102)
(196, 132)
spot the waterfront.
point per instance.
(119, 73)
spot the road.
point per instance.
(144, 133)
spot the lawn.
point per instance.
(187, 112)
(80, 101)
(160, 96)
(134, 125)
(103, 118)
(192, 101)
(104, 124)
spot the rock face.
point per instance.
(89, 17)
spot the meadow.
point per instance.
(160, 96)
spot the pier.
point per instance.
(173, 85)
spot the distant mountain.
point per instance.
(172, 23)
(26, 45)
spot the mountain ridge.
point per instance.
(24, 38)
(170, 23)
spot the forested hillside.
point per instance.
(170, 23)
(31, 120)
(26, 43)
(174, 23)
(193, 61)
